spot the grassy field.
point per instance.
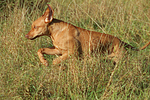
(23, 77)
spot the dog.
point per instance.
(69, 40)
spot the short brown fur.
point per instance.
(69, 40)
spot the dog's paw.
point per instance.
(56, 61)
(62, 67)
(45, 63)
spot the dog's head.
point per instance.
(40, 26)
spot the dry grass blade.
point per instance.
(23, 77)
(109, 83)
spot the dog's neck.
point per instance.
(56, 27)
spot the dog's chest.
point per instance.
(59, 41)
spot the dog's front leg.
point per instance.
(71, 51)
(49, 51)
(61, 58)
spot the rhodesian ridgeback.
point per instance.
(69, 40)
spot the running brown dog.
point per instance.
(69, 40)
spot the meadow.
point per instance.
(23, 77)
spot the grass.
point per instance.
(22, 76)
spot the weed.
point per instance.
(22, 76)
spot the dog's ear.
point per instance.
(48, 14)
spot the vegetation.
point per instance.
(22, 76)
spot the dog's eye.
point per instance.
(35, 27)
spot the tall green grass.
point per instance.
(22, 76)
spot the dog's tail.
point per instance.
(145, 46)
(126, 45)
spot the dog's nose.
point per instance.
(27, 36)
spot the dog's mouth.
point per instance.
(31, 38)
(34, 38)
